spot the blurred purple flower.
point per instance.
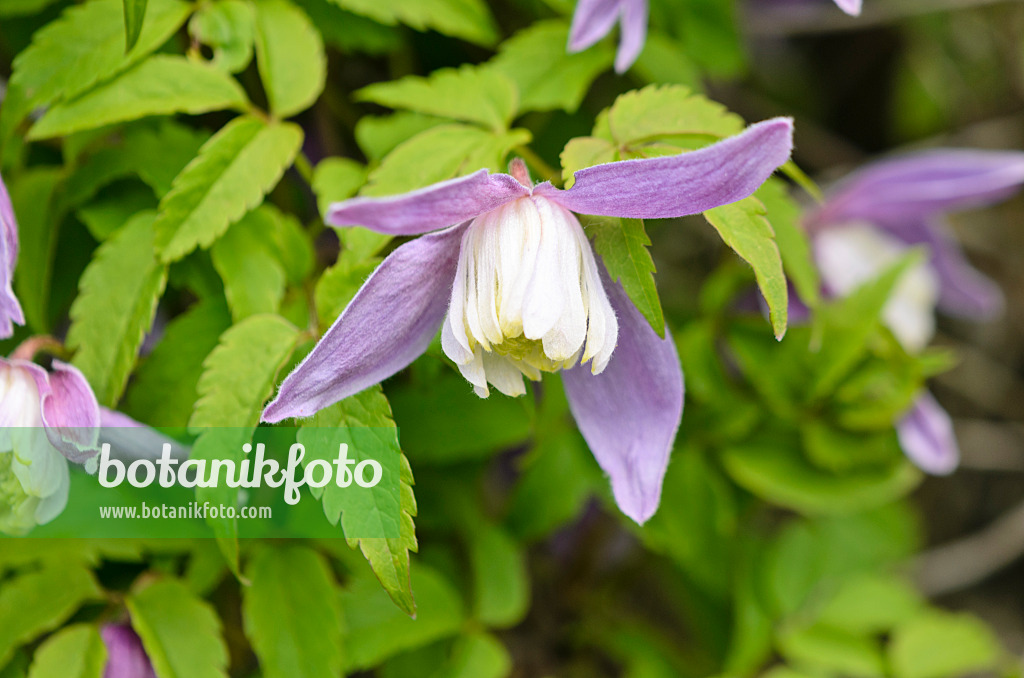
(45, 419)
(594, 19)
(10, 309)
(516, 290)
(126, 658)
(878, 212)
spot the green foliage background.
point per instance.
(169, 174)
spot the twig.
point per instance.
(965, 562)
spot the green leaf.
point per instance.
(35, 603)
(441, 153)
(117, 300)
(160, 85)
(106, 215)
(784, 214)
(744, 228)
(230, 176)
(14, 8)
(467, 19)
(622, 244)
(74, 652)
(180, 632)
(778, 473)
(477, 655)
(501, 584)
(378, 135)
(364, 422)
(154, 153)
(290, 55)
(378, 630)
(227, 27)
(336, 179)
(348, 32)
(698, 528)
(134, 16)
(872, 603)
(84, 46)
(833, 651)
(443, 422)
(163, 392)
(238, 378)
(940, 644)
(247, 261)
(669, 112)
(849, 322)
(665, 61)
(553, 489)
(292, 614)
(32, 196)
(547, 76)
(469, 94)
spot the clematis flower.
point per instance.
(868, 223)
(594, 19)
(46, 418)
(10, 309)
(126, 658)
(507, 274)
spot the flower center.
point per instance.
(527, 298)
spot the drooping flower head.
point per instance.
(126, 657)
(10, 309)
(46, 418)
(506, 272)
(868, 223)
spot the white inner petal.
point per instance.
(852, 255)
(527, 298)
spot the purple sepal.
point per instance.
(388, 324)
(594, 19)
(926, 437)
(126, 657)
(10, 309)
(678, 185)
(629, 414)
(918, 186)
(851, 7)
(429, 209)
(71, 413)
(634, 34)
(963, 290)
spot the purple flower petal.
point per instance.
(682, 184)
(963, 289)
(428, 209)
(851, 7)
(592, 20)
(71, 413)
(126, 658)
(924, 184)
(10, 309)
(629, 414)
(388, 324)
(634, 34)
(926, 436)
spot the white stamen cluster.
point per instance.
(527, 298)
